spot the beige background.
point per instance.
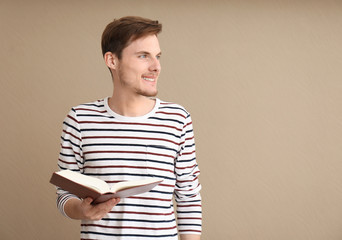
(262, 80)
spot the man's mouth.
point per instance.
(150, 79)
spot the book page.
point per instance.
(91, 182)
(130, 184)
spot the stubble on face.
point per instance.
(137, 89)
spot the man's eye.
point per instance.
(143, 56)
(158, 57)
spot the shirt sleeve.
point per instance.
(187, 189)
(70, 156)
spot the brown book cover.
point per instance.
(85, 186)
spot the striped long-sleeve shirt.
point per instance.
(98, 142)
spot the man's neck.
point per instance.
(131, 106)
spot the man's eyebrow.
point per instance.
(142, 52)
(147, 53)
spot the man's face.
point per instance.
(139, 67)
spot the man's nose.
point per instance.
(155, 65)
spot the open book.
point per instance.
(85, 186)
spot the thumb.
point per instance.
(117, 200)
(112, 202)
(88, 200)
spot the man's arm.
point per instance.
(187, 189)
(190, 237)
(84, 210)
(71, 157)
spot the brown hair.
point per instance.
(121, 32)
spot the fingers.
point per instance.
(98, 211)
(103, 208)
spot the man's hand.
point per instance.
(84, 210)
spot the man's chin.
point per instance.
(149, 93)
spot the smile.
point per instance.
(149, 79)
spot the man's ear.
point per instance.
(110, 60)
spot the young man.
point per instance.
(129, 136)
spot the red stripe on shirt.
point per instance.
(128, 137)
(131, 152)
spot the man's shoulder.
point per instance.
(95, 106)
(96, 103)
(173, 107)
